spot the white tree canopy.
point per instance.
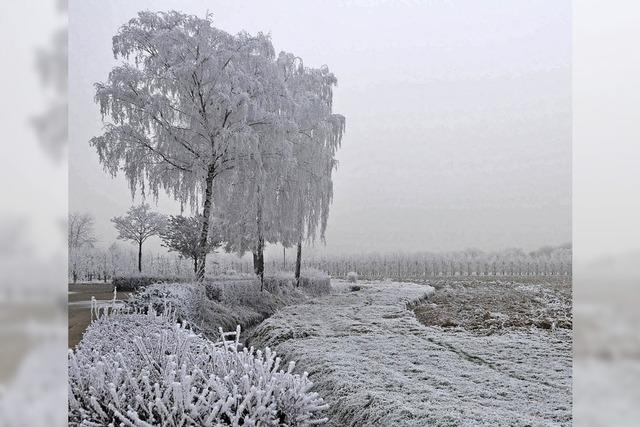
(307, 190)
(211, 117)
(184, 102)
(188, 103)
(139, 224)
(285, 196)
(80, 230)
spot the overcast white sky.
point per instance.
(458, 115)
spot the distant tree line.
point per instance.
(546, 261)
(180, 235)
(89, 264)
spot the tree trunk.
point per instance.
(140, 257)
(258, 254)
(298, 262)
(206, 214)
(258, 262)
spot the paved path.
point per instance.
(376, 365)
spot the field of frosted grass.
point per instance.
(375, 364)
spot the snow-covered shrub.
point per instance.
(213, 292)
(134, 282)
(143, 369)
(216, 303)
(186, 299)
(243, 292)
(312, 281)
(234, 275)
(315, 282)
(352, 277)
(280, 282)
(226, 302)
(233, 302)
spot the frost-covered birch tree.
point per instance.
(185, 105)
(247, 195)
(249, 201)
(138, 225)
(308, 189)
(285, 196)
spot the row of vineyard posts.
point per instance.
(544, 262)
(96, 264)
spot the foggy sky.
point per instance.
(458, 115)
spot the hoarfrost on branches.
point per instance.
(80, 230)
(184, 299)
(81, 238)
(285, 197)
(208, 116)
(307, 189)
(145, 369)
(188, 103)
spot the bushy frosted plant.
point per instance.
(228, 302)
(315, 282)
(352, 276)
(186, 300)
(312, 281)
(138, 369)
(135, 282)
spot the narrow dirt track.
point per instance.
(376, 365)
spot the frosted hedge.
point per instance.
(138, 369)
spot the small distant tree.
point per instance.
(182, 234)
(138, 225)
(80, 236)
(81, 230)
(116, 258)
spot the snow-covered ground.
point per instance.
(375, 364)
